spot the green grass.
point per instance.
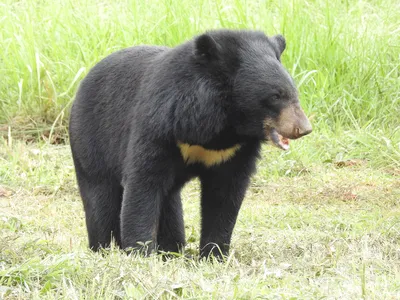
(319, 221)
(344, 57)
(328, 232)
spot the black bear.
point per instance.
(147, 119)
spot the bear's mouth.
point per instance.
(278, 140)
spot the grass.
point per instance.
(343, 56)
(329, 231)
(320, 221)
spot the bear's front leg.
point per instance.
(145, 191)
(171, 229)
(140, 214)
(223, 190)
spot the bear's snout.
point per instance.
(303, 124)
(293, 123)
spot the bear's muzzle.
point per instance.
(291, 124)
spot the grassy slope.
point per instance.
(329, 231)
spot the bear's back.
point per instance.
(120, 71)
(103, 103)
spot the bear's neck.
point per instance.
(225, 139)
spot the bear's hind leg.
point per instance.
(171, 230)
(102, 204)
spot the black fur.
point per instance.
(136, 104)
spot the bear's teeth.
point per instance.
(278, 140)
(284, 146)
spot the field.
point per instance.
(319, 221)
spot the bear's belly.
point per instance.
(197, 154)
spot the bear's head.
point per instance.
(262, 97)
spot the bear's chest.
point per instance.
(192, 154)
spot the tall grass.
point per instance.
(344, 55)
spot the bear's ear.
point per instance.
(280, 43)
(206, 47)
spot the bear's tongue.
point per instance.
(278, 140)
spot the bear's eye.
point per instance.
(274, 99)
(271, 101)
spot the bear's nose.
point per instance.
(303, 128)
(299, 132)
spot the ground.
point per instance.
(329, 230)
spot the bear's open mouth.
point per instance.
(277, 139)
